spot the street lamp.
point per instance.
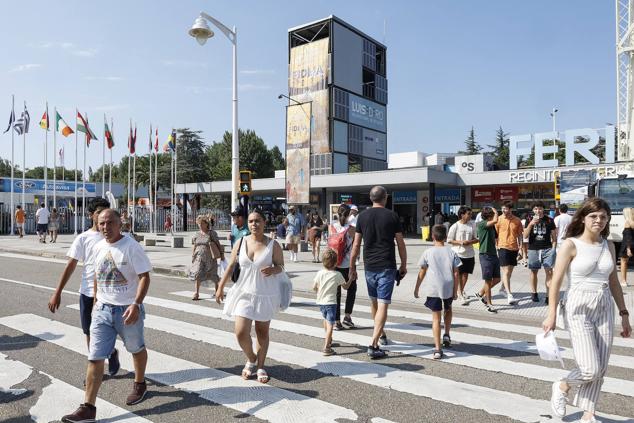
(201, 32)
(552, 115)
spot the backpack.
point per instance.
(338, 241)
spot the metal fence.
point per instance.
(142, 215)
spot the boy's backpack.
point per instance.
(338, 242)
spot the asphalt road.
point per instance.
(490, 375)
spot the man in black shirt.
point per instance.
(542, 240)
(378, 227)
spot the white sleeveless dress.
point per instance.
(254, 296)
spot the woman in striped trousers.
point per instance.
(589, 259)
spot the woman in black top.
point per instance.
(627, 244)
(315, 228)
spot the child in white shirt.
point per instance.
(325, 285)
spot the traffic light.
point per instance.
(245, 182)
(557, 181)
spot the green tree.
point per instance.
(254, 156)
(191, 157)
(5, 168)
(472, 147)
(500, 150)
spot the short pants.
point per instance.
(85, 312)
(490, 266)
(507, 257)
(437, 304)
(292, 239)
(541, 258)
(106, 324)
(42, 227)
(328, 311)
(467, 265)
(381, 285)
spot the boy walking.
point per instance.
(325, 285)
(489, 261)
(439, 265)
(19, 220)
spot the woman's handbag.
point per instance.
(236, 267)
(286, 291)
(215, 249)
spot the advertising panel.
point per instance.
(506, 193)
(374, 144)
(36, 186)
(482, 194)
(298, 154)
(573, 187)
(309, 73)
(469, 164)
(367, 113)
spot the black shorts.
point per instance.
(85, 312)
(437, 304)
(507, 257)
(42, 227)
(467, 265)
(490, 266)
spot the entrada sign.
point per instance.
(522, 145)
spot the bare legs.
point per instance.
(624, 271)
(94, 374)
(243, 334)
(507, 271)
(379, 314)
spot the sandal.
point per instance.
(263, 377)
(247, 371)
(328, 351)
(195, 297)
(438, 354)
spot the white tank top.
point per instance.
(592, 265)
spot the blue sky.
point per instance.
(451, 65)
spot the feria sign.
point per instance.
(521, 145)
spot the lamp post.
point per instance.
(201, 32)
(552, 115)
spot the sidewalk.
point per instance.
(175, 261)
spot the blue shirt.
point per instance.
(237, 233)
(281, 231)
(295, 223)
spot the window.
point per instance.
(341, 101)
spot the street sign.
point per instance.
(245, 182)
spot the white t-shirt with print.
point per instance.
(117, 268)
(327, 282)
(561, 223)
(462, 232)
(83, 249)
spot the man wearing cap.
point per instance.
(293, 231)
(239, 227)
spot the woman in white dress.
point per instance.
(256, 295)
(589, 260)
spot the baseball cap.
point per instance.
(354, 207)
(238, 211)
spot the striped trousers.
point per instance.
(589, 312)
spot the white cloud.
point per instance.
(199, 89)
(26, 67)
(257, 72)
(67, 46)
(104, 78)
(90, 52)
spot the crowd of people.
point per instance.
(115, 280)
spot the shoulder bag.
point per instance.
(236, 267)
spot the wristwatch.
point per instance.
(137, 304)
(624, 312)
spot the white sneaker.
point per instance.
(592, 420)
(465, 299)
(510, 299)
(558, 400)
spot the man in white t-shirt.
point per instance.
(561, 223)
(352, 219)
(122, 279)
(41, 217)
(83, 249)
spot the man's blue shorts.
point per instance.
(85, 312)
(329, 312)
(539, 258)
(106, 324)
(381, 285)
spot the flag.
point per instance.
(150, 139)
(62, 127)
(171, 142)
(132, 141)
(108, 134)
(11, 120)
(82, 126)
(44, 124)
(21, 126)
(89, 171)
(156, 143)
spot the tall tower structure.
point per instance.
(625, 78)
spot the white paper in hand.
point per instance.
(548, 348)
(222, 267)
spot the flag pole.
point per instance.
(24, 159)
(83, 181)
(172, 188)
(175, 179)
(76, 165)
(155, 182)
(103, 160)
(55, 158)
(150, 185)
(12, 211)
(134, 190)
(127, 204)
(46, 157)
(110, 171)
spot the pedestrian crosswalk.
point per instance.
(492, 374)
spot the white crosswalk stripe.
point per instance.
(58, 397)
(281, 404)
